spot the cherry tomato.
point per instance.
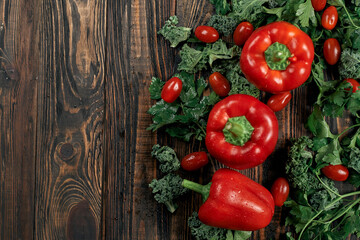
(280, 191)
(171, 90)
(219, 84)
(332, 51)
(336, 172)
(278, 101)
(329, 18)
(194, 161)
(318, 5)
(242, 33)
(354, 84)
(206, 34)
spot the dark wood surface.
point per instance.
(75, 157)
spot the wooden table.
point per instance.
(74, 153)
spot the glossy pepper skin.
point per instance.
(263, 138)
(254, 65)
(234, 202)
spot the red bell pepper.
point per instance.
(241, 131)
(233, 201)
(277, 57)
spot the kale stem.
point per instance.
(326, 207)
(316, 39)
(348, 14)
(345, 211)
(327, 187)
(353, 126)
(201, 128)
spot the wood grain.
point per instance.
(69, 166)
(75, 155)
(18, 116)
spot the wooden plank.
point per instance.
(18, 116)
(135, 54)
(70, 120)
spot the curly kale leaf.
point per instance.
(173, 33)
(349, 66)
(223, 24)
(167, 158)
(192, 60)
(248, 10)
(299, 163)
(167, 189)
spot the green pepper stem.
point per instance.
(235, 128)
(204, 190)
(238, 130)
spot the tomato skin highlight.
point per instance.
(336, 172)
(332, 51)
(329, 18)
(279, 101)
(219, 84)
(280, 191)
(194, 161)
(171, 90)
(242, 33)
(318, 5)
(206, 34)
(354, 84)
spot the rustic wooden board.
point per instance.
(18, 116)
(70, 129)
(74, 153)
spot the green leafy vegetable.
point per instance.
(187, 116)
(221, 6)
(306, 13)
(174, 34)
(248, 10)
(192, 60)
(167, 158)
(223, 24)
(155, 88)
(167, 189)
(349, 66)
(239, 84)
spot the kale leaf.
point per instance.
(167, 158)
(349, 66)
(167, 189)
(225, 25)
(174, 34)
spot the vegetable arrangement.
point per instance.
(214, 97)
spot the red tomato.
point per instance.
(354, 84)
(280, 191)
(206, 34)
(329, 18)
(171, 90)
(278, 101)
(219, 84)
(332, 51)
(336, 172)
(318, 5)
(194, 161)
(242, 33)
